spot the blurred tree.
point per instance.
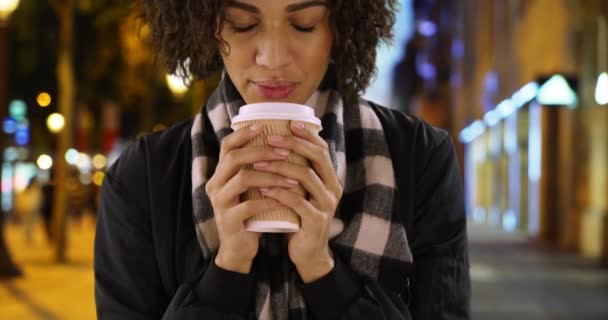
(89, 43)
(64, 9)
(96, 50)
(98, 61)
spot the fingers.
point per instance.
(246, 179)
(304, 175)
(303, 147)
(308, 144)
(302, 131)
(245, 210)
(239, 138)
(232, 163)
(231, 142)
(307, 212)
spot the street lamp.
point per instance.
(180, 81)
(177, 85)
(7, 7)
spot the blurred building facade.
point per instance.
(530, 164)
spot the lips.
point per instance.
(274, 89)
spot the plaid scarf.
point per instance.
(366, 233)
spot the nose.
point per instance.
(273, 50)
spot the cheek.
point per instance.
(315, 55)
(234, 50)
(238, 58)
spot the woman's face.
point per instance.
(279, 50)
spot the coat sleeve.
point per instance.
(440, 284)
(341, 295)
(128, 282)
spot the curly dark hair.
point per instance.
(182, 30)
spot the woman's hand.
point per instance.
(238, 247)
(309, 247)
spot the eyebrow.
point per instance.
(290, 8)
(306, 4)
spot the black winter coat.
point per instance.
(148, 263)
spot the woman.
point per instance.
(383, 232)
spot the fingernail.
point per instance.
(281, 152)
(275, 139)
(298, 125)
(264, 190)
(261, 165)
(292, 182)
(255, 128)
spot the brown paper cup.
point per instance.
(277, 221)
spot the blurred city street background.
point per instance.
(520, 85)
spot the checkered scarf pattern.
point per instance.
(366, 233)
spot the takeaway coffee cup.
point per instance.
(275, 118)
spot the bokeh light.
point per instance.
(99, 161)
(7, 7)
(601, 90)
(44, 162)
(17, 109)
(71, 156)
(55, 122)
(176, 85)
(98, 178)
(9, 125)
(86, 178)
(84, 163)
(44, 99)
(11, 154)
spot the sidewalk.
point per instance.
(49, 290)
(513, 278)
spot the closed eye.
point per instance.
(248, 28)
(303, 29)
(244, 29)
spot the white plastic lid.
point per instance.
(276, 111)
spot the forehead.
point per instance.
(262, 6)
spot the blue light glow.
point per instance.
(557, 92)
(509, 221)
(534, 168)
(22, 137)
(505, 108)
(427, 28)
(9, 126)
(11, 154)
(491, 118)
(457, 48)
(479, 214)
(380, 88)
(7, 186)
(510, 134)
(524, 95)
(494, 218)
(472, 132)
(426, 70)
(534, 144)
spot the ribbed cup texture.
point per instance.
(274, 128)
